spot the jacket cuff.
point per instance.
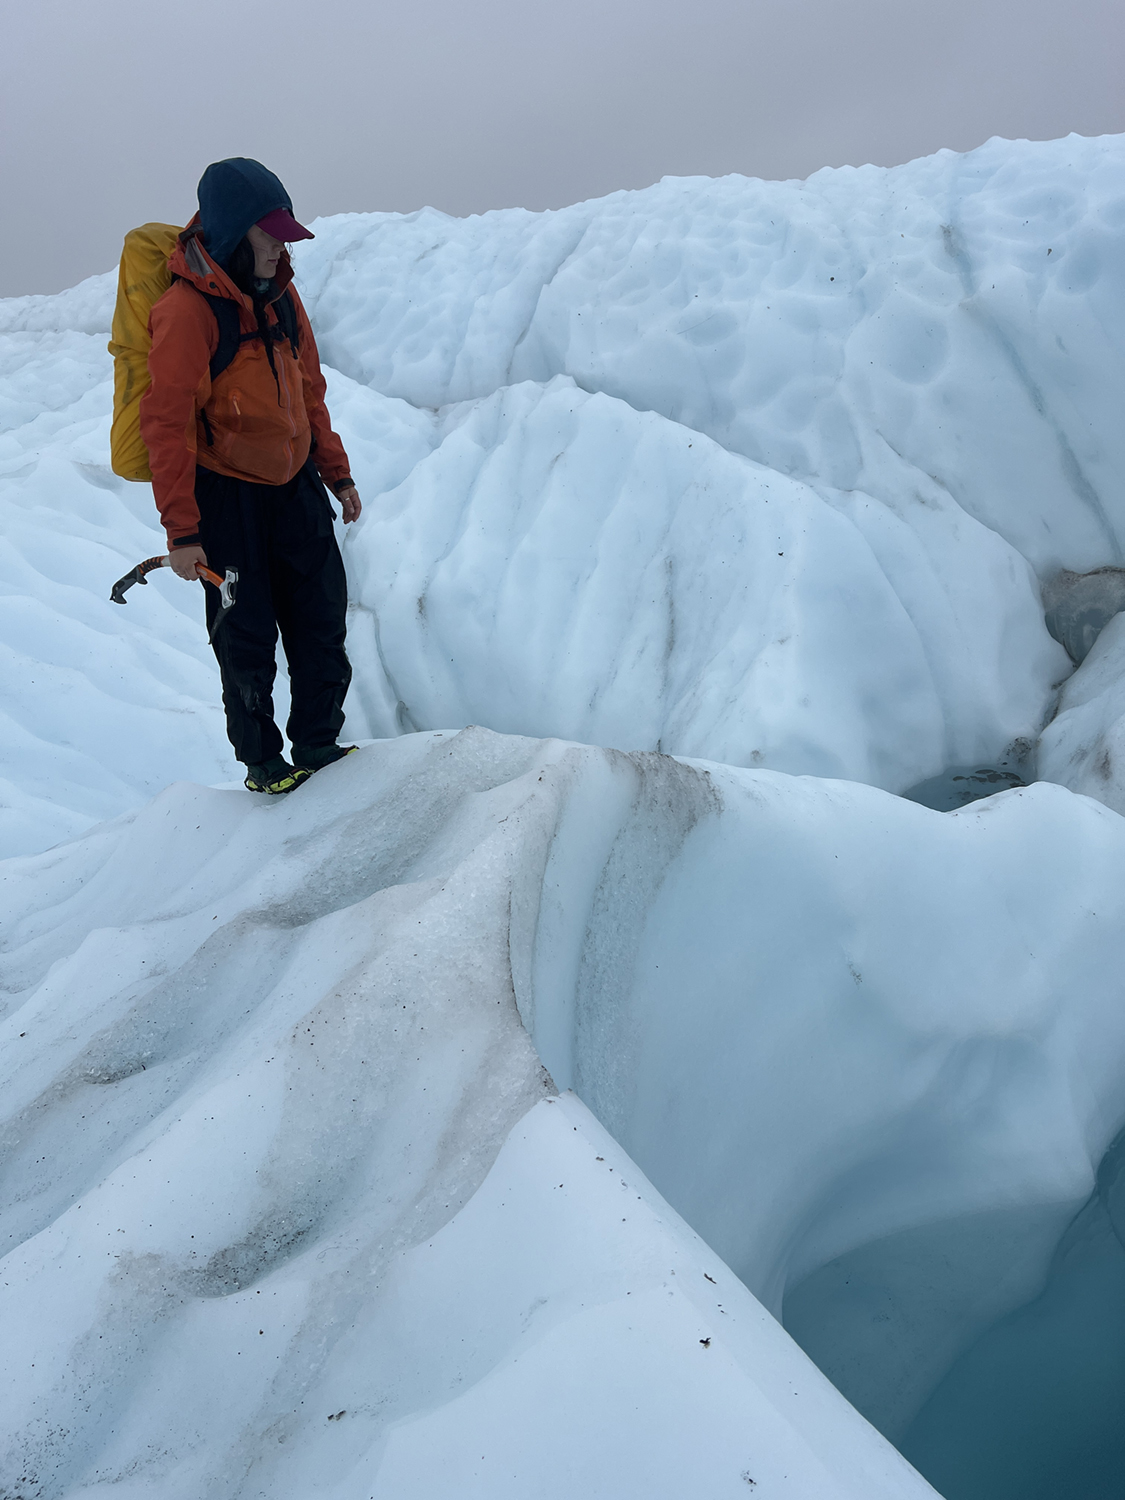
(185, 541)
(347, 483)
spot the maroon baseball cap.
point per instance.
(283, 226)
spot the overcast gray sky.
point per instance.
(110, 109)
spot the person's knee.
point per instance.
(243, 652)
(256, 696)
(248, 680)
(326, 660)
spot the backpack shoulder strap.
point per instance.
(230, 330)
(287, 321)
(230, 333)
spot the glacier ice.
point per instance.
(653, 591)
(777, 477)
(303, 1016)
(941, 328)
(97, 714)
(306, 1016)
(1083, 747)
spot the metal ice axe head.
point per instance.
(225, 585)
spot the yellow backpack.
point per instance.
(142, 279)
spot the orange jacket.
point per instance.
(259, 430)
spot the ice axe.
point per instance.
(226, 586)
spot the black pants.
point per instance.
(290, 577)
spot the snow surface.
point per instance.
(264, 1055)
(98, 713)
(302, 1016)
(902, 333)
(764, 474)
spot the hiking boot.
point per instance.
(275, 777)
(324, 755)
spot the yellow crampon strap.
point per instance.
(142, 279)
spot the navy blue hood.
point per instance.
(233, 195)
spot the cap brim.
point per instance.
(283, 226)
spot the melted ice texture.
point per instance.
(764, 475)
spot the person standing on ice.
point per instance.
(239, 468)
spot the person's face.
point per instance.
(267, 251)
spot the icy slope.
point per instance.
(563, 563)
(261, 1059)
(281, 1044)
(98, 713)
(947, 326)
(919, 348)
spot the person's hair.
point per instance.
(240, 269)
